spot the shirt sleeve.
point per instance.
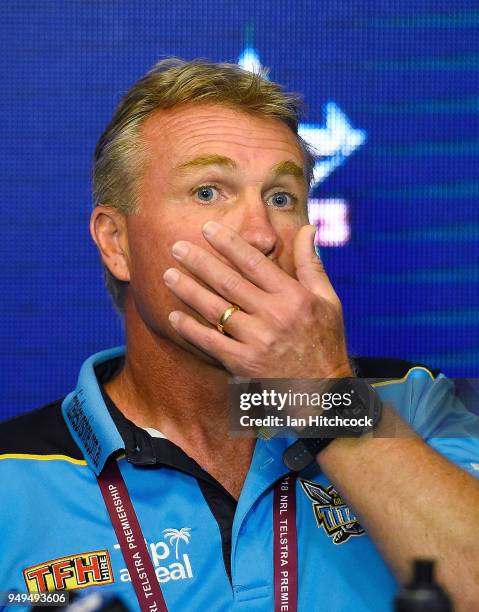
(437, 413)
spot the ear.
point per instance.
(108, 230)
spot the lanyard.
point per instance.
(285, 548)
(138, 562)
(132, 543)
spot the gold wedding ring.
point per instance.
(225, 316)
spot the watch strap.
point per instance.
(303, 452)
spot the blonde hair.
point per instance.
(120, 153)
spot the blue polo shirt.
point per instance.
(210, 552)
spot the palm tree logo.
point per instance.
(175, 535)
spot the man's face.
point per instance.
(211, 162)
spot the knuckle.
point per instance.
(304, 307)
(296, 300)
(300, 307)
(252, 364)
(209, 339)
(305, 300)
(277, 317)
(282, 321)
(230, 282)
(253, 262)
(266, 341)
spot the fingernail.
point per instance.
(318, 250)
(171, 276)
(210, 228)
(173, 317)
(180, 249)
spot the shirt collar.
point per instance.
(99, 428)
(87, 417)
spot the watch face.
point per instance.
(360, 413)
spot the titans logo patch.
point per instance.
(331, 512)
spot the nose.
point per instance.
(254, 225)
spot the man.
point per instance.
(200, 187)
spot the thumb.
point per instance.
(308, 265)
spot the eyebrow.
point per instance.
(288, 168)
(283, 168)
(208, 160)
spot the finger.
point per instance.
(209, 305)
(251, 262)
(309, 267)
(211, 341)
(227, 282)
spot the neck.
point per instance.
(170, 389)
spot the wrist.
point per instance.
(359, 412)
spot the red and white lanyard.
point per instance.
(138, 561)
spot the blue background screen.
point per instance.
(392, 94)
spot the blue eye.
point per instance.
(281, 199)
(206, 193)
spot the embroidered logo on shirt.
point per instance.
(331, 512)
(68, 573)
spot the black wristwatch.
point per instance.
(365, 402)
